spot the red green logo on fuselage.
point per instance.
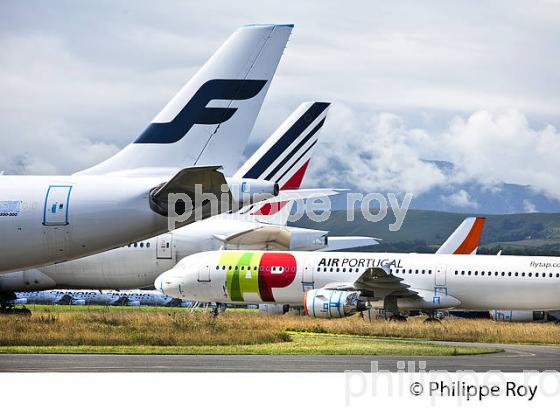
(257, 272)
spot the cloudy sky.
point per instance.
(475, 84)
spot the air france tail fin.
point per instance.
(284, 158)
(465, 239)
(209, 121)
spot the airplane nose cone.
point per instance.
(168, 285)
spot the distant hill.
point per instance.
(424, 231)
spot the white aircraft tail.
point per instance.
(465, 239)
(284, 158)
(209, 121)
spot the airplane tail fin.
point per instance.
(284, 158)
(465, 239)
(209, 121)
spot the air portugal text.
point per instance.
(358, 263)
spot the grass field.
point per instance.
(83, 329)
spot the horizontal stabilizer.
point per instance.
(337, 243)
(263, 237)
(202, 179)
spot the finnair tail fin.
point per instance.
(465, 239)
(209, 121)
(284, 158)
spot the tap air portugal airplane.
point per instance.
(283, 159)
(339, 284)
(49, 219)
(463, 241)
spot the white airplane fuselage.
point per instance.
(465, 281)
(49, 219)
(135, 265)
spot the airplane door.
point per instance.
(204, 273)
(308, 276)
(441, 276)
(55, 212)
(164, 246)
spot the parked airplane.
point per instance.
(92, 297)
(340, 284)
(463, 241)
(283, 159)
(206, 125)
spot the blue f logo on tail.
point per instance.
(197, 112)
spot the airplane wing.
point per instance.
(376, 284)
(275, 211)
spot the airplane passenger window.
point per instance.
(147, 244)
(338, 269)
(423, 271)
(509, 273)
(141, 244)
(135, 244)
(536, 275)
(530, 274)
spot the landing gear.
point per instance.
(217, 309)
(392, 310)
(398, 317)
(432, 317)
(11, 309)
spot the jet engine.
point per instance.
(326, 303)
(517, 315)
(247, 191)
(78, 302)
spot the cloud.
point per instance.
(79, 81)
(377, 156)
(529, 206)
(460, 199)
(383, 154)
(503, 147)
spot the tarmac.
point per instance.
(514, 358)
